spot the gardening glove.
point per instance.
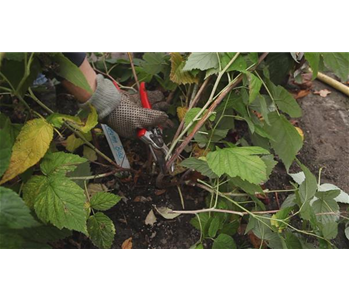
(115, 109)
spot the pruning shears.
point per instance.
(153, 137)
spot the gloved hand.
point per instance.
(121, 112)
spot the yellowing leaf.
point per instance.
(181, 111)
(91, 121)
(72, 143)
(300, 131)
(89, 153)
(31, 145)
(177, 74)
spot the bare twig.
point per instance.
(240, 213)
(133, 69)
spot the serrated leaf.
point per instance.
(31, 145)
(287, 142)
(177, 74)
(104, 201)
(5, 150)
(60, 201)
(198, 165)
(60, 163)
(284, 100)
(224, 241)
(313, 59)
(214, 226)
(254, 86)
(71, 72)
(31, 189)
(338, 63)
(57, 120)
(325, 207)
(239, 161)
(101, 230)
(202, 61)
(14, 214)
(153, 62)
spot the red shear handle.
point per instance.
(144, 96)
(145, 103)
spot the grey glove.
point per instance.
(116, 110)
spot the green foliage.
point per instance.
(234, 166)
(239, 161)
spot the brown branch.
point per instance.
(240, 213)
(208, 113)
(191, 105)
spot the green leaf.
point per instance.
(239, 161)
(254, 86)
(5, 150)
(60, 163)
(153, 63)
(306, 192)
(17, 56)
(43, 234)
(287, 141)
(214, 226)
(101, 230)
(204, 220)
(224, 241)
(202, 61)
(269, 162)
(60, 201)
(246, 186)
(284, 100)
(82, 170)
(313, 59)
(57, 120)
(326, 204)
(14, 213)
(330, 230)
(347, 232)
(192, 113)
(338, 63)
(71, 72)
(199, 165)
(239, 63)
(104, 201)
(292, 242)
(289, 202)
(31, 189)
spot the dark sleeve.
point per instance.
(75, 57)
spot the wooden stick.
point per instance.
(333, 83)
